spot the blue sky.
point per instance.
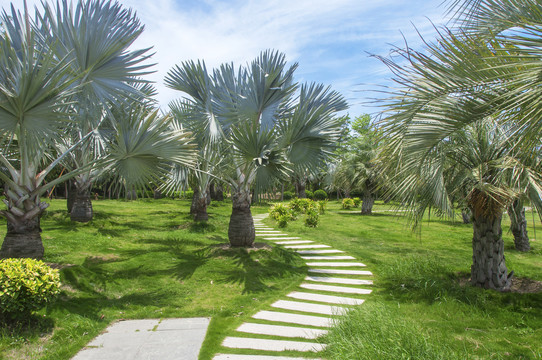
(330, 39)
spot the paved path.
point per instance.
(334, 285)
(148, 339)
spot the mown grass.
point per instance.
(421, 307)
(146, 259)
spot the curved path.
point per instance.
(336, 283)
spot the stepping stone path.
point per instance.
(332, 288)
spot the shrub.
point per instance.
(357, 201)
(26, 285)
(348, 203)
(188, 194)
(320, 195)
(278, 210)
(283, 220)
(312, 218)
(301, 206)
(287, 195)
(309, 194)
(321, 206)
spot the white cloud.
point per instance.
(329, 38)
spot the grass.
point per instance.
(421, 308)
(147, 259)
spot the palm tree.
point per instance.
(488, 68)
(110, 71)
(39, 85)
(268, 133)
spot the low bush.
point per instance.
(348, 203)
(321, 206)
(26, 285)
(320, 195)
(301, 206)
(287, 195)
(312, 218)
(357, 201)
(279, 210)
(309, 194)
(283, 220)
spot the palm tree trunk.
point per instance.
(71, 194)
(82, 205)
(488, 268)
(300, 187)
(241, 229)
(518, 226)
(216, 192)
(200, 207)
(466, 215)
(157, 194)
(23, 240)
(367, 202)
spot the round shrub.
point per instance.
(287, 195)
(348, 203)
(320, 195)
(357, 201)
(309, 194)
(26, 285)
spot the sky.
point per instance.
(331, 40)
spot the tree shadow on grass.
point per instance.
(253, 272)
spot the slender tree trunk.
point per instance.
(518, 226)
(282, 192)
(488, 268)
(82, 205)
(367, 202)
(241, 229)
(131, 194)
(466, 215)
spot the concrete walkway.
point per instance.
(295, 322)
(148, 339)
(335, 285)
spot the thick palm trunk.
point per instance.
(198, 208)
(82, 205)
(71, 194)
(216, 192)
(241, 229)
(23, 240)
(367, 203)
(300, 188)
(488, 268)
(518, 226)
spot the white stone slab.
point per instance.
(310, 320)
(339, 257)
(306, 246)
(271, 345)
(339, 271)
(266, 231)
(291, 242)
(255, 357)
(278, 330)
(325, 298)
(282, 238)
(273, 234)
(339, 289)
(334, 280)
(310, 308)
(336, 264)
(308, 252)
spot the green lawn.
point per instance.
(420, 309)
(146, 259)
